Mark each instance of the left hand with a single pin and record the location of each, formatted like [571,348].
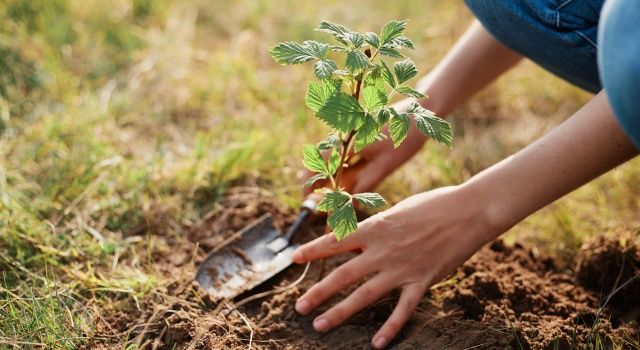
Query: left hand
[414,244]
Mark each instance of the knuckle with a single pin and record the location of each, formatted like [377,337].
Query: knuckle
[368,295]
[408,306]
[345,276]
[393,326]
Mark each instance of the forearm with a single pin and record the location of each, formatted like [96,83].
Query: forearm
[476,60]
[583,147]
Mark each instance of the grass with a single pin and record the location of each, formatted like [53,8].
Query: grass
[122,120]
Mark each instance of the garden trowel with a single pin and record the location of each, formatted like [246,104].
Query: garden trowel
[251,256]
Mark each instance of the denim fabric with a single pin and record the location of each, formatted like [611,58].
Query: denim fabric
[562,37]
[619,61]
[559,35]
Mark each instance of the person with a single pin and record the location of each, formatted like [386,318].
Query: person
[591,43]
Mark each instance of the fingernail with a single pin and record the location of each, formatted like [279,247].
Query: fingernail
[320,325]
[380,342]
[302,307]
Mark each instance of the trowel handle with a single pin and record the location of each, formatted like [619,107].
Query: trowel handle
[308,207]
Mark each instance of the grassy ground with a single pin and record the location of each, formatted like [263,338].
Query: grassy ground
[115,113]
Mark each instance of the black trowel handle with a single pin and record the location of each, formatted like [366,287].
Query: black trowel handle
[308,207]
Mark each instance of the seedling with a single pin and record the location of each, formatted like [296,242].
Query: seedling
[354,102]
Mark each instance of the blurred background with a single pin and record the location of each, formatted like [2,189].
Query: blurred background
[113,113]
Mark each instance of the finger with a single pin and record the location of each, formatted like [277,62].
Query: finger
[362,297]
[339,279]
[325,246]
[409,299]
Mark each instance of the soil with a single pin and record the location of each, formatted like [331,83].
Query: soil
[503,297]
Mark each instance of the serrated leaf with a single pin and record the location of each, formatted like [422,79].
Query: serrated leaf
[374,98]
[431,125]
[338,31]
[356,39]
[372,39]
[290,53]
[383,116]
[334,161]
[339,110]
[315,178]
[356,61]
[392,30]
[333,200]
[398,127]
[323,69]
[367,134]
[386,74]
[404,70]
[409,92]
[318,93]
[374,78]
[343,221]
[316,49]
[313,160]
[370,199]
[400,42]
[391,52]
[332,141]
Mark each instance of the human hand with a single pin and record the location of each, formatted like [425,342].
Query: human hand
[411,246]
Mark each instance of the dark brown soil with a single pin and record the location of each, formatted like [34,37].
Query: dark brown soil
[503,297]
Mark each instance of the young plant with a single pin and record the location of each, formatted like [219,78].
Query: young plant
[354,102]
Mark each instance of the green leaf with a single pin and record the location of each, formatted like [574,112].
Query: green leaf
[356,61]
[316,49]
[356,39]
[409,92]
[339,110]
[404,70]
[374,98]
[387,51]
[398,127]
[332,141]
[431,125]
[318,93]
[400,42]
[372,39]
[367,134]
[392,30]
[383,116]
[338,31]
[370,199]
[290,53]
[387,75]
[332,200]
[314,179]
[334,161]
[343,221]
[323,69]
[313,160]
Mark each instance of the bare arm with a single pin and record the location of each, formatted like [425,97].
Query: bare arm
[475,61]
[424,238]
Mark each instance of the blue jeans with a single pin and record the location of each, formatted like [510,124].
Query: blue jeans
[590,43]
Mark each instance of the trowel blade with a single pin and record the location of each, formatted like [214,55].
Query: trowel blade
[245,261]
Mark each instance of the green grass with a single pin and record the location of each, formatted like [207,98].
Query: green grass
[115,113]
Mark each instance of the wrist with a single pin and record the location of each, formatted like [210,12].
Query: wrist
[488,211]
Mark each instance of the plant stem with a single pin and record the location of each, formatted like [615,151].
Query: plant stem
[347,143]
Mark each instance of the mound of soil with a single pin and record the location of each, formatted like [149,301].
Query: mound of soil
[502,297]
